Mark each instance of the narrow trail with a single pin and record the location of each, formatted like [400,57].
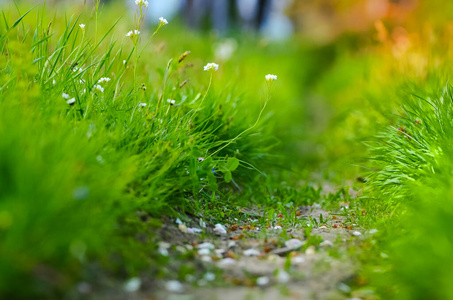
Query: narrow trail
[251,263]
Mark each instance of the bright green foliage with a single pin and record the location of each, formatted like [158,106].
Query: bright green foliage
[80,154]
[415,158]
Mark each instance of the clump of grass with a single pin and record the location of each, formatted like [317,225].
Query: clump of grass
[88,140]
[414,158]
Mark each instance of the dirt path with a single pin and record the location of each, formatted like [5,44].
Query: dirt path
[248,262]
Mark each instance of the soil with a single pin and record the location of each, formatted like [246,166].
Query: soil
[320,271]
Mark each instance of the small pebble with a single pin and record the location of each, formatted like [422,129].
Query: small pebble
[174,286]
[206,258]
[294,244]
[310,250]
[298,260]
[326,243]
[283,277]
[206,246]
[278,227]
[219,252]
[220,229]
[183,228]
[262,281]
[83,287]
[226,261]
[209,276]
[356,233]
[251,252]
[204,251]
[133,285]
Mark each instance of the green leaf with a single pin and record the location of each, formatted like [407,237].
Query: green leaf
[228,177]
[232,163]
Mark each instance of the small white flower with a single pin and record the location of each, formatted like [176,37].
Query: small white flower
[99,88]
[54,82]
[64,95]
[172,102]
[82,26]
[124,62]
[133,33]
[163,21]
[141,3]
[71,101]
[143,105]
[104,79]
[270,77]
[211,67]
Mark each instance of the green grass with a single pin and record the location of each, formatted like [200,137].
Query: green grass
[82,184]
[414,158]
[72,176]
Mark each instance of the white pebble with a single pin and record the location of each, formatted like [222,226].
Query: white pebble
[174,286]
[298,260]
[326,243]
[203,251]
[294,244]
[251,252]
[206,246]
[226,261]
[262,281]
[132,285]
[356,233]
[283,277]
[209,276]
[220,229]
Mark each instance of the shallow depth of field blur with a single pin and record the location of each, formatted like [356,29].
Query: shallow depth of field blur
[363,102]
